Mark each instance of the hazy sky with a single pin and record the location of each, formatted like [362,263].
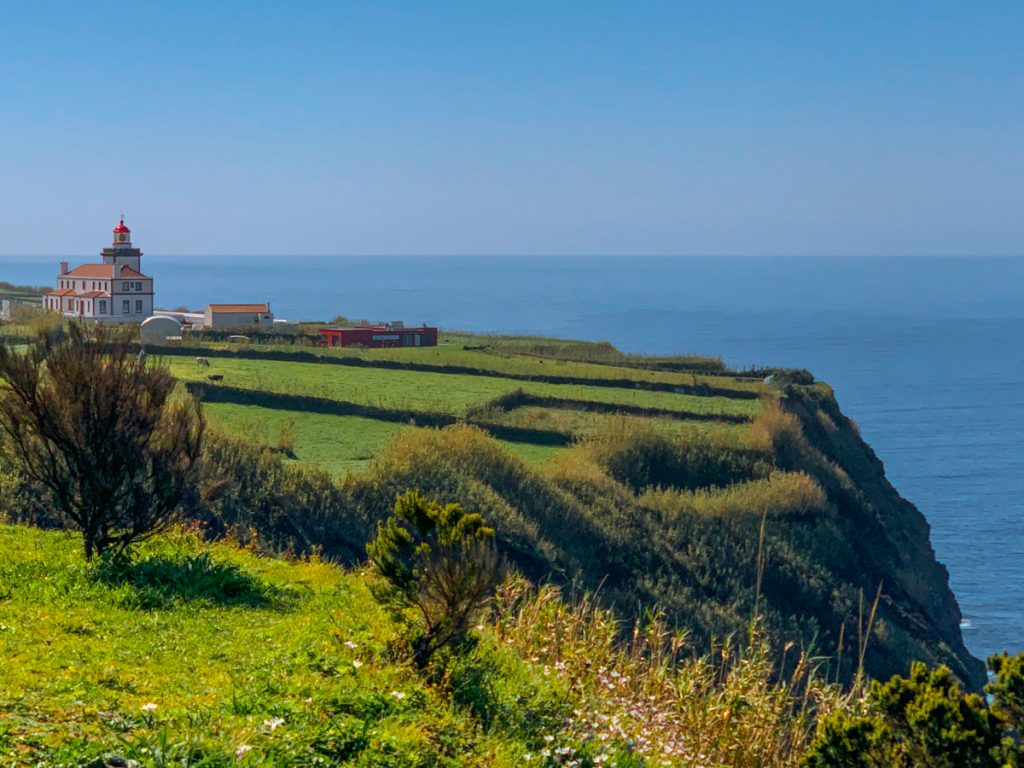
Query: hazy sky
[514,127]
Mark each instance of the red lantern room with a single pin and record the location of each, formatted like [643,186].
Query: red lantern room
[122,235]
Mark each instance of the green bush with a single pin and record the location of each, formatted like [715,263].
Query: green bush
[642,458]
[438,562]
[923,721]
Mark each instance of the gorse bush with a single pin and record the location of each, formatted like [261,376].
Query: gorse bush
[438,562]
[926,721]
[640,458]
[781,493]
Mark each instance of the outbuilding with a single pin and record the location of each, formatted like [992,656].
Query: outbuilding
[239,316]
[389,335]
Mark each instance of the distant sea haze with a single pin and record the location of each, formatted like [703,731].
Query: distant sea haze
[925,354]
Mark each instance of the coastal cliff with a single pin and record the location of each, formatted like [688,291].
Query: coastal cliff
[650,520]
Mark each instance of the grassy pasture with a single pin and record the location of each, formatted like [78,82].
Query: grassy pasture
[506,361]
[206,655]
[582,423]
[427,391]
[332,443]
[335,444]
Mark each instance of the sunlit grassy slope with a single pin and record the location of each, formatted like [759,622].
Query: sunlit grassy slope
[212,653]
[207,655]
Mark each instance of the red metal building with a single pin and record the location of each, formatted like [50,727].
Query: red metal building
[391,335]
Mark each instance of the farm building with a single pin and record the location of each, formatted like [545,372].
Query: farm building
[390,335]
[239,317]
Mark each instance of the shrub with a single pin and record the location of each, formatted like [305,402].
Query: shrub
[1007,690]
[922,721]
[99,429]
[439,562]
[640,458]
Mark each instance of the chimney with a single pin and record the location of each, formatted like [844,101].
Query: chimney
[63,267]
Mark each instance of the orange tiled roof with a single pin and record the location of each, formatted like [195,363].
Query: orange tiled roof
[95,295]
[262,308]
[103,271]
[62,292]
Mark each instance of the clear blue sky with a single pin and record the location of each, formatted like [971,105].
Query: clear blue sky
[514,127]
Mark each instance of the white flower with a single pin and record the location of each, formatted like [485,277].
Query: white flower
[352,646]
[273,723]
[357,663]
[398,695]
[242,749]
[148,707]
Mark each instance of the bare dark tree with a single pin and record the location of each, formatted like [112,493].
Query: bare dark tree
[84,416]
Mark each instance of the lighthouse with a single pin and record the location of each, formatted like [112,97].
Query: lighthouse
[121,251]
[114,291]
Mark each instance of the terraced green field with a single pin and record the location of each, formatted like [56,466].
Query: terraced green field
[431,392]
[338,415]
[336,444]
[583,423]
[453,352]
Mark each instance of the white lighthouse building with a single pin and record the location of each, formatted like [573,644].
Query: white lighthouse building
[114,291]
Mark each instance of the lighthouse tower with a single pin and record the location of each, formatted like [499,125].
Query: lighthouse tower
[115,291]
[122,252]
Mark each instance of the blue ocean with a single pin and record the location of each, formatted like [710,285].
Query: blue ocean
[926,355]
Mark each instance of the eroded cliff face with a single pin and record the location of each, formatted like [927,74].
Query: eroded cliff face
[918,615]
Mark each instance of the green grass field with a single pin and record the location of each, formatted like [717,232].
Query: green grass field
[583,423]
[339,443]
[504,360]
[427,391]
[336,444]
[208,655]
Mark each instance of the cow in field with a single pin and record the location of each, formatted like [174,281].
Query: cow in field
[203,362]
[215,377]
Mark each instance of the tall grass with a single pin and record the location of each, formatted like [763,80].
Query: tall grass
[723,707]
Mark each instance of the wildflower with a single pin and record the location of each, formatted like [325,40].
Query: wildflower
[398,695]
[148,707]
[350,645]
[357,663]
[241,750]
[273,723]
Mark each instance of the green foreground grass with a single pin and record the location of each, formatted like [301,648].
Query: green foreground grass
[209,656]
[203,655]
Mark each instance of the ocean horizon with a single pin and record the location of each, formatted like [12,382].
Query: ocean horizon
[924,354]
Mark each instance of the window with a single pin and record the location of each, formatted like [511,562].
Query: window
[138,286]
[103,307]
[125,285]
[138,306]
[71,305]
[125,307]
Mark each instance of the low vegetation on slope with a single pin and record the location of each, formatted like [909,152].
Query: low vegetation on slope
[208,655]
[739,524]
